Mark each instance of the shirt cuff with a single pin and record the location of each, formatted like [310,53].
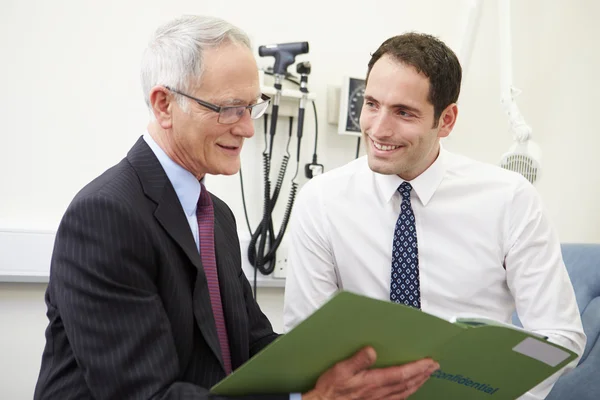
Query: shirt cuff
[295,396]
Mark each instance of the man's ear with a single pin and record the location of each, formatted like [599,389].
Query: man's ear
[161,102]
[447,120]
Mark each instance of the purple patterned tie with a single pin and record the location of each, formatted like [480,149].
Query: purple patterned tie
[206,226]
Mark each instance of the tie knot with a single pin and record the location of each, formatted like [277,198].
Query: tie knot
[404,190]
[204,199]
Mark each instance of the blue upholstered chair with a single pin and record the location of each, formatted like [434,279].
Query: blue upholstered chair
[583,264]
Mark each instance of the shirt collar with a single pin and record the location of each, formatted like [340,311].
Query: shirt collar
[186,186]
[423,185]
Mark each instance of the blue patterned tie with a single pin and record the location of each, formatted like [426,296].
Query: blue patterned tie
[405,256]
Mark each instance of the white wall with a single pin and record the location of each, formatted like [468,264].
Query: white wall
[71,106]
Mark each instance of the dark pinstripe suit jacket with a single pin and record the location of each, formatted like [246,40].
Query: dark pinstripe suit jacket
[128,304]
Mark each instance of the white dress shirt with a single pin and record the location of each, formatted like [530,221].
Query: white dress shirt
[485,247]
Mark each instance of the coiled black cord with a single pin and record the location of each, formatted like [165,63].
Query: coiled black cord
[265,263]
[264,234]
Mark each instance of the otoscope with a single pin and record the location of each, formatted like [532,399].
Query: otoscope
[284,54]
[304,70]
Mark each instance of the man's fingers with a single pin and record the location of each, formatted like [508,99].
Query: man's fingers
[416,386]
[410,387]
[414,369]
[362,360]
[399,375]
[401,388]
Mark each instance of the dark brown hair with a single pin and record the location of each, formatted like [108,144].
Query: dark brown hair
[431,57]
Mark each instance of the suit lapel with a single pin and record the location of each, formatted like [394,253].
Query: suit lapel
[171,217]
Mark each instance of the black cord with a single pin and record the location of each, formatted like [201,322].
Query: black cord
[265,123]
[266,116]
[244,202]
[265,230]
[316,132]
[290,127]
[249,228]
[254,283]
[357,147]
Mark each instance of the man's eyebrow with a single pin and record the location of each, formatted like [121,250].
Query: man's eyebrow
[399,105]
[370,98]
[406,107]
[233,102]
[240,102]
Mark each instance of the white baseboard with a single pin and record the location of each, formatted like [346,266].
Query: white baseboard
[25,255]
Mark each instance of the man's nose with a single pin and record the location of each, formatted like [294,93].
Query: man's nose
[244,127]
[381,125]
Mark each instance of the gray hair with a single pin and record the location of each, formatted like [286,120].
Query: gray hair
[174,54]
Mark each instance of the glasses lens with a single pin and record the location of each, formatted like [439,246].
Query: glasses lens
[231,115]
[259,109]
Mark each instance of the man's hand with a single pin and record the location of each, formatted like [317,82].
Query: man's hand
[351,379]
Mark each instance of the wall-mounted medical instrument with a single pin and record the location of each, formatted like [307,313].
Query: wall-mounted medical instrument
[351,100]
[264,240]
[352,96]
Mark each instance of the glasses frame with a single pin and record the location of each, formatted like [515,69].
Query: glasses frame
[220,109]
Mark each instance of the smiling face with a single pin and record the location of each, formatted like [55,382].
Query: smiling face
[400,132]
[194,138]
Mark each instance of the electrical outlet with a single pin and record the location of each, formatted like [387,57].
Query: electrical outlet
[281,262]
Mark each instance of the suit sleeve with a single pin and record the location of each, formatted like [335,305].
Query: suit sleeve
[102,274]
[261,332]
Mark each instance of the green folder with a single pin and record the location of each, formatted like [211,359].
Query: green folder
[477,360]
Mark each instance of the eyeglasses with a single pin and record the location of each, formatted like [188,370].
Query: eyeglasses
[231,114]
